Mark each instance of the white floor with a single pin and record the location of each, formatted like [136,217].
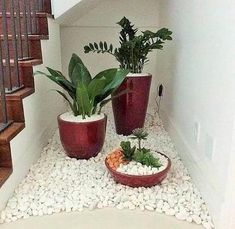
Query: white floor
[57,183]
[102,219]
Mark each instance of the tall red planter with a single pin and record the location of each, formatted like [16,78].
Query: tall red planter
[82,140]
[130,109]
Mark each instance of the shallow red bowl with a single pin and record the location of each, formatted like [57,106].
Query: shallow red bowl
[138,180]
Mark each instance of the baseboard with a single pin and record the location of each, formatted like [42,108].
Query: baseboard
[212,197]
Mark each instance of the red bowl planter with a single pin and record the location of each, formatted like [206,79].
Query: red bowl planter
[82,140]
[138,180]
[130,109]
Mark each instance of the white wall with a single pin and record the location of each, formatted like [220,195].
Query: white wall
[198,72]
[100,24]
[59,7]
[41,110]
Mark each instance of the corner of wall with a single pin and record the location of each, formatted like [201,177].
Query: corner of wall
[208,192]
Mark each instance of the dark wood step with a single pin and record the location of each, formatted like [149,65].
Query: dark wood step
[4,174]
[34,49]
[25,73]
[30,37]
[10,132]
[44,6]
[40,21]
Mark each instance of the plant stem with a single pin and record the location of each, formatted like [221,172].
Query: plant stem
[139,141]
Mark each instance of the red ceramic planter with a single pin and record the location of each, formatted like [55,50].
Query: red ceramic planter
[82,140]
[139,181]
[130,109]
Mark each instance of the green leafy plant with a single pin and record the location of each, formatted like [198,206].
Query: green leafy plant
[141,155]
[145,157]
[128,151]
[134,49]
[86,94]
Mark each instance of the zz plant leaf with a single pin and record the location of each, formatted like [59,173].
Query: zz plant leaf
[134,48]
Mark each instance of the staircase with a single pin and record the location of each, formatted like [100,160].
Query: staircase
[23,24]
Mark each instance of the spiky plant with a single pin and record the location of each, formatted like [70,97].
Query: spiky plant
[139,134]
[128,151]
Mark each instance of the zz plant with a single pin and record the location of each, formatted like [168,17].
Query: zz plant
[140,154]
[86,95]
[134,49]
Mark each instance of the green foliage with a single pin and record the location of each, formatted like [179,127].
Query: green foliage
[145,157]
[128,151]
[134,49]
[141,155]
[139,134]
[85,93]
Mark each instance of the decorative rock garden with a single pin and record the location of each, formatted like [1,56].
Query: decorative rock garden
[58,183]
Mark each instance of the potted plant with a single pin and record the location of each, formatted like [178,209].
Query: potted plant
[82,131]
[137,166]
[130,109]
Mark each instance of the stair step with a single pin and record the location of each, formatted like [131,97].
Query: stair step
[30,37]
[4,174]
[20,94]
[10,132]
[34,47]
[40,21]
[45,5]
[25,63]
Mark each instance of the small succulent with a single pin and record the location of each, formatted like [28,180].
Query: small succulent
[141,155]
[139,134]
[128,151]
[145,157]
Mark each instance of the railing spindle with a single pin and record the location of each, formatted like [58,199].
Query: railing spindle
[6,47]
[19,32]
[16,79]
[4,119]
[25,33]
[34,17]
[28,15]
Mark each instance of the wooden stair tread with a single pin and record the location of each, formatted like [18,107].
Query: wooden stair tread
[31,62]
[14,101]
[4,174]
[20,94]
[10,132]
[25,63]
[38,15]
[30,37]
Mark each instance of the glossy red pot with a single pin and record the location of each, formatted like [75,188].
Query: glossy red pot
[130,109]
[82,140]
[137,180]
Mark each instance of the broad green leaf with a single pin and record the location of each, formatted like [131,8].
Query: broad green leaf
[114,77]
[83,100]
[69,102]
[62,82]
[104,102]
[96,87]
[80,75]
[75,59]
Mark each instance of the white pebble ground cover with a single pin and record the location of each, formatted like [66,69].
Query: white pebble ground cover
[58,183]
